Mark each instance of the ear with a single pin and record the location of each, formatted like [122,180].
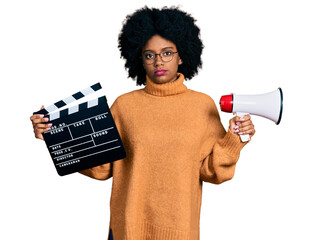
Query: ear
[180,62]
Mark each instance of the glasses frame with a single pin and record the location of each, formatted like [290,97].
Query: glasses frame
[156,56]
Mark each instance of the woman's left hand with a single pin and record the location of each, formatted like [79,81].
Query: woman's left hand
[242,125]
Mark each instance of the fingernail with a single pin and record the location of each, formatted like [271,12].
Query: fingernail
[46,119]
[236,127]
[41,115]
[242,119]
[237,123]
[240,133]
[50,124]
[236,131]
[47,128]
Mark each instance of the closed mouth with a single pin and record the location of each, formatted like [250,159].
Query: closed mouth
[160,72]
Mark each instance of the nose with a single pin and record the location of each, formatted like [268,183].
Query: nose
[158,59]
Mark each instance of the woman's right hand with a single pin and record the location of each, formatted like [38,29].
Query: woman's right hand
[40,124]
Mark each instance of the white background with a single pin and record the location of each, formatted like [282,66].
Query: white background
[50,49]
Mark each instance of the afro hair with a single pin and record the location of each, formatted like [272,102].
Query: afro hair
[170,23]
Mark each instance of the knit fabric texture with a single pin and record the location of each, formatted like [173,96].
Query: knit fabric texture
[174,140]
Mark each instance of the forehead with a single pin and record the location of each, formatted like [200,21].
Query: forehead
[158,43]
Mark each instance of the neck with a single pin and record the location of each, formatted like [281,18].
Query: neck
[166,89]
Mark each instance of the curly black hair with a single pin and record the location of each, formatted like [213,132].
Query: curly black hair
[170,23]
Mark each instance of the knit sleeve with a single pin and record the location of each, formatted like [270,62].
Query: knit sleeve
[105,171]
[219,165]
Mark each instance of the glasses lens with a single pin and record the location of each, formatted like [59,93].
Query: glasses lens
[148,58]
[167,56]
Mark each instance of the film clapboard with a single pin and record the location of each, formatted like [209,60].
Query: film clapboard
[82,136]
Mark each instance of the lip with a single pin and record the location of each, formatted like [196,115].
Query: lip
[160,72]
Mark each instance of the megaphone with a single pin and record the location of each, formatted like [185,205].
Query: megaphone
[268,105]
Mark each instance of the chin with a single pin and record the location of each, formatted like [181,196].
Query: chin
[162,79]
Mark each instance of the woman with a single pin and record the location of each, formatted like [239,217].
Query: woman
[173,136]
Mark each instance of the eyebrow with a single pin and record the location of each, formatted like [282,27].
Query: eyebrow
[161,50]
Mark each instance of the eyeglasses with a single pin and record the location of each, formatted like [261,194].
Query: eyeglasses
[150,58]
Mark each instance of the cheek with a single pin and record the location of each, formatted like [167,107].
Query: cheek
[148,68]
[176,64]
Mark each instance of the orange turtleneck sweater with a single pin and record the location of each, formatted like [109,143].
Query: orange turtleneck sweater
[174,141]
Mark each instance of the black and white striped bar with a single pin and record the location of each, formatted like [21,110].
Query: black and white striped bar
[69,99]
[77,108]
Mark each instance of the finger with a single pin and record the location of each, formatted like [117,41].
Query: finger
[245,124]
[247,130]
[244,130]
[238,119]
[44,126]
[243,119]
[39,121]
[36,116]
[232,124]
[38,132]
[251,132]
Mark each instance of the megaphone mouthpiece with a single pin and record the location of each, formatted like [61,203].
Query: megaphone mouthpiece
[226,103]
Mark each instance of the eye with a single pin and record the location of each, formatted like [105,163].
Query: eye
[149,56]
[167,53]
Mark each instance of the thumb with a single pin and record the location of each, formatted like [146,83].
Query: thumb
[232,124]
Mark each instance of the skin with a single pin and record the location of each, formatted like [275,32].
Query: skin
[156,45]
[40,124]
[242,126]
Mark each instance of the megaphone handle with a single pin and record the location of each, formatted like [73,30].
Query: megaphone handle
[246,137]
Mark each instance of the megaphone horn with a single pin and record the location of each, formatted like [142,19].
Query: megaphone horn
[268,105]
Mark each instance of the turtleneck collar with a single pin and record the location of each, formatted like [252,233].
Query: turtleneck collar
[166,89]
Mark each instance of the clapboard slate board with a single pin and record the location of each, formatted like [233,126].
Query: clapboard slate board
[82,136]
